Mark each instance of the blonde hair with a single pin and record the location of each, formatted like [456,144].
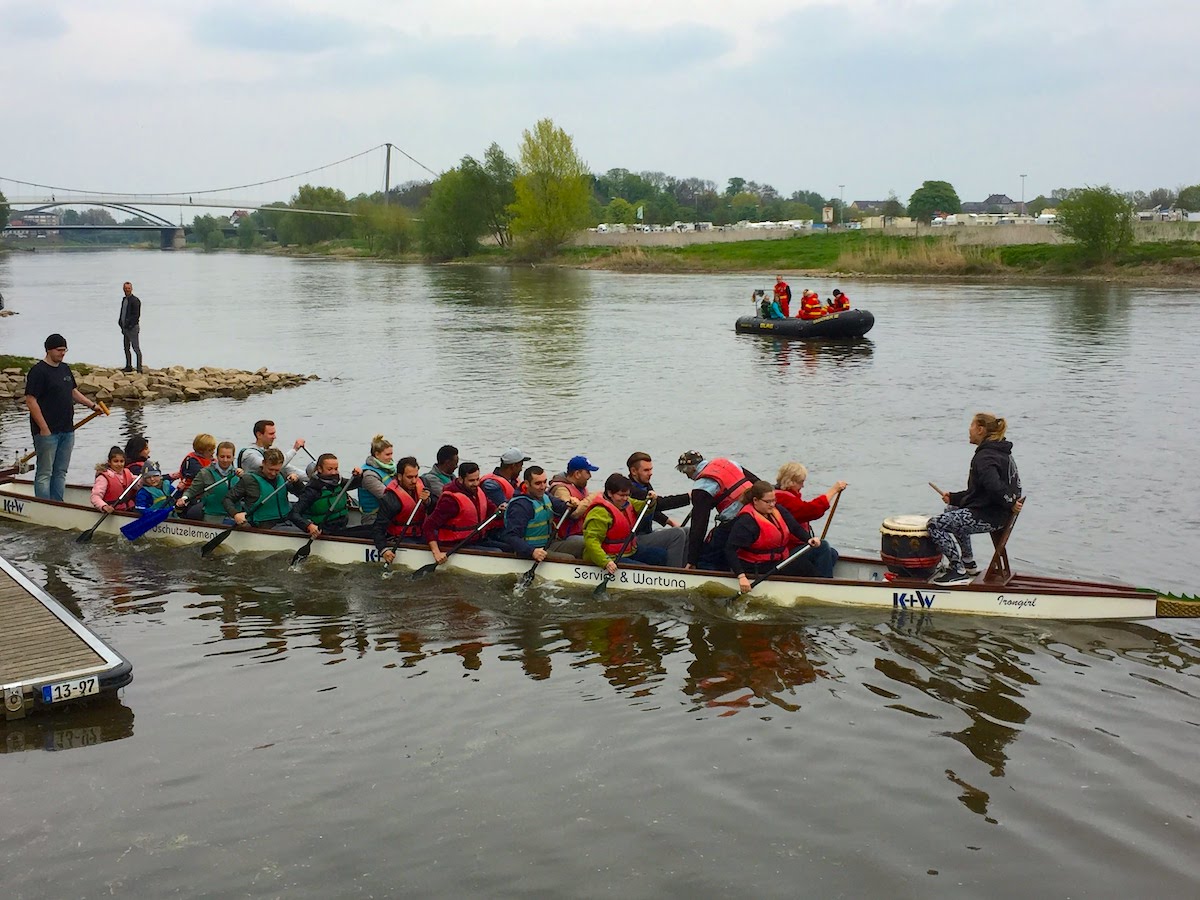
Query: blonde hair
[378,444]
[791,472]
[204,444]
[993,428]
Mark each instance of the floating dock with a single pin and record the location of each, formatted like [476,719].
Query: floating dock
[49,658]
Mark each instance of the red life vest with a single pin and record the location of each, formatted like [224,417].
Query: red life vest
[621,527]
[505,484]
[731,479]
[839,304]
[400,527]
[783,295]
[810,307]
[791,500]
[470,513]
[570,526]
[771,544]
[115,485]
[204,462]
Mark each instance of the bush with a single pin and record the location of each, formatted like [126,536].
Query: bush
[1099,220]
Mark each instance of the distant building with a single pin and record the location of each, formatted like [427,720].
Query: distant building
[868,206]
[1001,202]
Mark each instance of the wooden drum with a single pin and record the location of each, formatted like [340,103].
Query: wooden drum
[905,547]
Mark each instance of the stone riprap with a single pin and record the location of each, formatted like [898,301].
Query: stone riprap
[174,383]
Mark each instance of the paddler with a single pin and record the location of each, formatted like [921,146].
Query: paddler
[670,536]
[718,484]
[322,507]
[460,509]
[529,518]
[377,470]
[441,473]
[789,485]
[402,510]
[609,522]
[505,480]
[200,456]
[572,484]
[242,501]
[206,494]
[763,535]
[250,459]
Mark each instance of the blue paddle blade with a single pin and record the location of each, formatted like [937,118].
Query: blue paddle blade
[149,519]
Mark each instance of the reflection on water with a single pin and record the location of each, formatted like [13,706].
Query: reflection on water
[811,356]
[72,727]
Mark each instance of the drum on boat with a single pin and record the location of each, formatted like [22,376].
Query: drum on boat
[906,548]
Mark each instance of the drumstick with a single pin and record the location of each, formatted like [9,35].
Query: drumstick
[936,488]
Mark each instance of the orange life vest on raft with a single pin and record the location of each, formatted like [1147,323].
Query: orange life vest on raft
[400,527]
[470,513]
[620,529]
[810,307]
[115,485]
[840,303]
[505,484]
[772,542]
[731,479]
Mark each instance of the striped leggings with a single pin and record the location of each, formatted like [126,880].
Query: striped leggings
[951,533]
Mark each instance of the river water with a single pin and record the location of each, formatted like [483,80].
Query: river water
[324,732]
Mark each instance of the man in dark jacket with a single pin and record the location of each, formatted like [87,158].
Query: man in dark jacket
[129,319]
[321,507]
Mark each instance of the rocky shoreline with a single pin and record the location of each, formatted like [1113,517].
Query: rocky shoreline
[174,383]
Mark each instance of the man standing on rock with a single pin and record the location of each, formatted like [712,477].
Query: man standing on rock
[50,396]
[129,319]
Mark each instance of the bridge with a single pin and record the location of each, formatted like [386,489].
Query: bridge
[172,235]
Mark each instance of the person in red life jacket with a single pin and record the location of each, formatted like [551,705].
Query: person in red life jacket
[203,448]
[789,484]
[610,521]
[763,535]
[460,509]
[783,296]
[400,518]
[573,484]
[111,490]
[717,486]
[505,480]
[810,306]
[839,303]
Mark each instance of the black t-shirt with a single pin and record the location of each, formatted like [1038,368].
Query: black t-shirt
[51,387]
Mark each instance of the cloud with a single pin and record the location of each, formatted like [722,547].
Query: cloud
[273,28]
[31,22]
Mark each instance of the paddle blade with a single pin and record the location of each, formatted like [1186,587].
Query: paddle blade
[527,579]
[215,542]
[602,587]
[302,553]
[149,520]
[87,535]
[424,570]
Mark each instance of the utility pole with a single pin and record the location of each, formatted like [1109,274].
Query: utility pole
[387,174]
[841,204]
[1022,195]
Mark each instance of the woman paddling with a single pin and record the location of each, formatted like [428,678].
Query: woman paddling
[763,535]
[992,496]
[377,471]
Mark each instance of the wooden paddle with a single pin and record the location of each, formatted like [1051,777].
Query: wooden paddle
[101,410]
[425,570]
[799,553]
[936,488]
[87,535]
[220,538]
[527,578]
[602,587]
[303,553]
[829,521]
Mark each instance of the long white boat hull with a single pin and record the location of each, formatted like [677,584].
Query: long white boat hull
[857,581]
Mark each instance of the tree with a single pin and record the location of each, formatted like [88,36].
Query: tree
[1037,204]
[387,229]
[4,210]
[306,228]
[453,219]
[1099,220]
[892,207]
[1189,198]
[931,198]
[495,178]
[1162,197]
[620,211]
[735,187]
[247,235]
[552,190]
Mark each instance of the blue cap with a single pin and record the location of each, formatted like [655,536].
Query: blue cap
[575,463]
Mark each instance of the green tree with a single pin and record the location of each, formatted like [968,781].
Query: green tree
[4,210]
[305,228]
[453,219]
[203,226]
[1099,220]
[1037,204]
[892,207]
[552,190]
[386,229]
[1161,197]
[931,198]
[1189,198]
[247,236]
[494,180]
[620,211]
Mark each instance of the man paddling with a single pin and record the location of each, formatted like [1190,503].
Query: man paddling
[441,473]
[460,509]
[322,506]
[505,480]
[529,520]
[250,459]
[242,503]
[402,510]
[718,484]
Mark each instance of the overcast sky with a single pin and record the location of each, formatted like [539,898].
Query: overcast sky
[878,95]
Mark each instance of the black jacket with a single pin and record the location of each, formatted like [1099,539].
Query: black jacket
[133,313]
[993,485]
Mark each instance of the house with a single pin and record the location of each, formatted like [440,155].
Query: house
[864,206]
[1001,202]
